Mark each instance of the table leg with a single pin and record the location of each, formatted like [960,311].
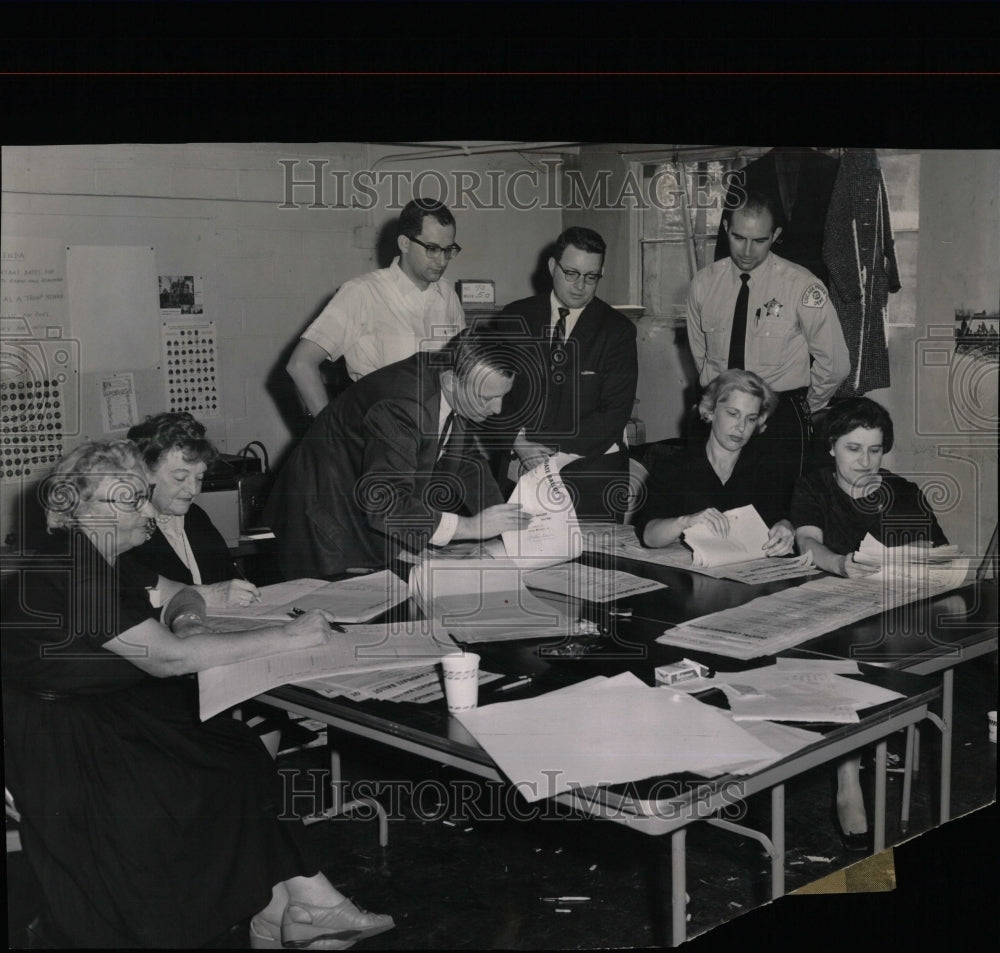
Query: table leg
[678,877]
[909,769]
[778,840]
[947,701]
[880,761]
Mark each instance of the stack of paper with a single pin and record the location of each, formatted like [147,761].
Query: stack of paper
[622,541]
[484,600]
[591,583]
[597,735]
[361,648]
[417,686]
[356,599]
[800,691]
[745,540]
[770,624]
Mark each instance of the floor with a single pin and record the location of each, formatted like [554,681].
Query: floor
[459,873]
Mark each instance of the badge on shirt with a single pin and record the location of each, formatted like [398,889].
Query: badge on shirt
[772,310]
[814,296]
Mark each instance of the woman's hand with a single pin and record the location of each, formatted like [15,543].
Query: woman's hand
[716,520]
[780,539]
[311,628]
[229,594]
[852,569]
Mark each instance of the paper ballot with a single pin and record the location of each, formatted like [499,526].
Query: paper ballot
[484,600]
[746,539]
[356,599]
[553,535]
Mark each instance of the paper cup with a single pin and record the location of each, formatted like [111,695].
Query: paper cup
[992,716]
[461,680]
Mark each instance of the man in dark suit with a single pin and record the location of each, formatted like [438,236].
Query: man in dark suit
[392,464]
[576,397]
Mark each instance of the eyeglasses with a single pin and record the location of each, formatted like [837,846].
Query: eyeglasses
[573,276]
[435,251]
[128,502]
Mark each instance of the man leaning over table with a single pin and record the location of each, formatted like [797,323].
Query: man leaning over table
[393,463]
[385,316]
[755,310]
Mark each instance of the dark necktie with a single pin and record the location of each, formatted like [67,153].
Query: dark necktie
[449,423]
[737,343]
[557,339]
[559,331]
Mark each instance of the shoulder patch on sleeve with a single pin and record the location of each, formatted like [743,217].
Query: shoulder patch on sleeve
[815,295]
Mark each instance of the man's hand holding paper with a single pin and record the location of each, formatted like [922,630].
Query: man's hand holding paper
[553,535]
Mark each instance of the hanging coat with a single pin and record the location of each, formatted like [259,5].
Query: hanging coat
[860,254]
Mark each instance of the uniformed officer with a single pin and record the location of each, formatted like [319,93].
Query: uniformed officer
[757,311]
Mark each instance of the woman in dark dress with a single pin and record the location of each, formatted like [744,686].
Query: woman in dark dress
[832,510]
[145,826]
[186,546]
[698,485]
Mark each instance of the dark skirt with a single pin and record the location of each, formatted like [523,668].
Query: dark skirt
[145,826]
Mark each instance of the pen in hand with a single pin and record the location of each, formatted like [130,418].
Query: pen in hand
[296,612]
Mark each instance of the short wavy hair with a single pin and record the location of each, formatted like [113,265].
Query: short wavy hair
[411,219]
[848,415]
[161,433]
[75,478]
[479,344]
[586,239]
[735,379]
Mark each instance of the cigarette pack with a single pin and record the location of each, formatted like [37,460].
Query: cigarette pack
[680,672]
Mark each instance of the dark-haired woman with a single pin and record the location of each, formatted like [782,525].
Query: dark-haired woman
[186,546]
[833,509]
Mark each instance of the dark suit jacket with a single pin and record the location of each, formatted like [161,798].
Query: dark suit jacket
[214,560]
[365,480]
[583,406]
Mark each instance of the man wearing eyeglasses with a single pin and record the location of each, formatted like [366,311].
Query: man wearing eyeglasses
[580,396]
[386,315]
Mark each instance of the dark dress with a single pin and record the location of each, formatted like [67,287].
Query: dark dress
[686,483]
[145,826]
[214,561]
[896,514]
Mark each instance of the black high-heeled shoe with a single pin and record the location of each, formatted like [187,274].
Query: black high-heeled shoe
[854,843]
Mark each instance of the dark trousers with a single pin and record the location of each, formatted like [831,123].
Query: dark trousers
[789,440]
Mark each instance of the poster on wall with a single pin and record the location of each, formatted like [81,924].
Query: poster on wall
[977,334]
[118,403]
[190,367]
[180,294]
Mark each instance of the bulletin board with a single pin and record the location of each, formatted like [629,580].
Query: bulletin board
[113,306]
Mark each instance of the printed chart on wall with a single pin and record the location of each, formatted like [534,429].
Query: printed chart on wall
[39,361]
[190,366]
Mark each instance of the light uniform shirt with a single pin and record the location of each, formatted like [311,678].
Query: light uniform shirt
[383,317]
[789,320]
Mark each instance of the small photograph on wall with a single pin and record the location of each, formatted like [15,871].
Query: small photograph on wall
[978,334]
[180,294]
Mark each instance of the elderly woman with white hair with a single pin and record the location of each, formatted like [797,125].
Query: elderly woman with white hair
[699,484]
[145,826]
